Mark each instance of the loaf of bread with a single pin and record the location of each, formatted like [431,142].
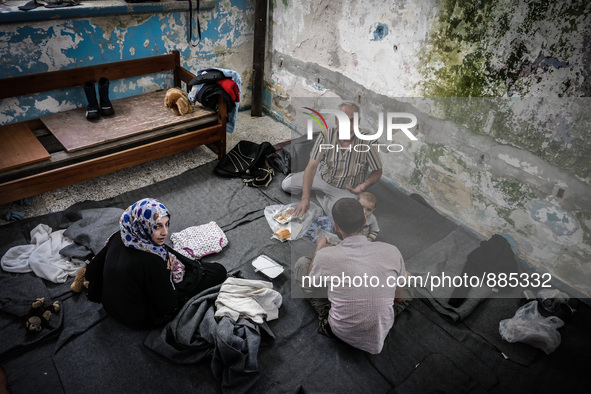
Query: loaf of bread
[283,234]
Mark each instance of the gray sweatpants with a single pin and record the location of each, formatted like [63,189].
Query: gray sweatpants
[326,194]
[318,297]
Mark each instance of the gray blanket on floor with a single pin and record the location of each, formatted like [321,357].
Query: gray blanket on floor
[95,353]
[89,229]
[195,335]
[446,258]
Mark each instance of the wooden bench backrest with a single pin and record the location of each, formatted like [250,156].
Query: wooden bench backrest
[63,79]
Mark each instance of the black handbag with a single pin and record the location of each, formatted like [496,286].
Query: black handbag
[280,160]
[247,160]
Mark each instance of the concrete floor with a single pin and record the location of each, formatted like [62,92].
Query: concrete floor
[256,129]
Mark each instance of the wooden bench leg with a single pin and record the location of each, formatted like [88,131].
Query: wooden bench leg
[219,148]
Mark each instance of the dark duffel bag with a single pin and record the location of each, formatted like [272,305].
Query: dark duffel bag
[247,160]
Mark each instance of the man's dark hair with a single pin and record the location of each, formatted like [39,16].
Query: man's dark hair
[348,215]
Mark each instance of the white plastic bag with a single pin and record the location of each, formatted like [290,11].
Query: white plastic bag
[297,227]
[529,327]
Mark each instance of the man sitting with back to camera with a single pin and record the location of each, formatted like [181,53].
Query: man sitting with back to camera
[352,286]
[335,173]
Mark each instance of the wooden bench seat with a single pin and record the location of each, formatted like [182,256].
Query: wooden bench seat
[60,149]
[133,115]
[20,147]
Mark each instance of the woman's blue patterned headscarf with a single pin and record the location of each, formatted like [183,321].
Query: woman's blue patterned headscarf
[138,223]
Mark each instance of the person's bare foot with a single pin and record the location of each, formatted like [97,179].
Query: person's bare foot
[78,285]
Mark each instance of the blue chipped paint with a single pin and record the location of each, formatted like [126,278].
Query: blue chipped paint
[93,9]
[267,99]
[68,43]
[67,99]
[545,63]
[380,32]
[121,43]
[512,242]
[561,222]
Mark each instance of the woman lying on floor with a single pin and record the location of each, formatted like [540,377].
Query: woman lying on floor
[140,281]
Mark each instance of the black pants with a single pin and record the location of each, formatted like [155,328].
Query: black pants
[213,275]
[198,277]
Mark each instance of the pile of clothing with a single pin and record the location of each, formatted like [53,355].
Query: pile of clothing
[210,84]
[42,256]
[223,323]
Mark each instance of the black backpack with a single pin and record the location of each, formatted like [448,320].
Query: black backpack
[247,160]
[280,160]
[493,256]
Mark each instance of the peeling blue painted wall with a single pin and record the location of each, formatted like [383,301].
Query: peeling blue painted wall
[35,47]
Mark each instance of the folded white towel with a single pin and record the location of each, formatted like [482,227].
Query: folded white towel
[253,299]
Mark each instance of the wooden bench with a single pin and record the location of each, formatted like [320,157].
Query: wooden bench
[61,149]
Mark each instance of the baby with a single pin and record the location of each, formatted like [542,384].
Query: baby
[368,202]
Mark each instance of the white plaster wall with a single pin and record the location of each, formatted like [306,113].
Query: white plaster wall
[471,167]
[339,35]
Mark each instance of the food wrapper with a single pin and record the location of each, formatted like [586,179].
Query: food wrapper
[280,217]
[267,266]
[283,217]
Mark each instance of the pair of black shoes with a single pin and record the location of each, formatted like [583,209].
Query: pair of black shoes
[95,107]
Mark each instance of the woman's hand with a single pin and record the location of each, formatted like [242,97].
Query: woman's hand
[170,262]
